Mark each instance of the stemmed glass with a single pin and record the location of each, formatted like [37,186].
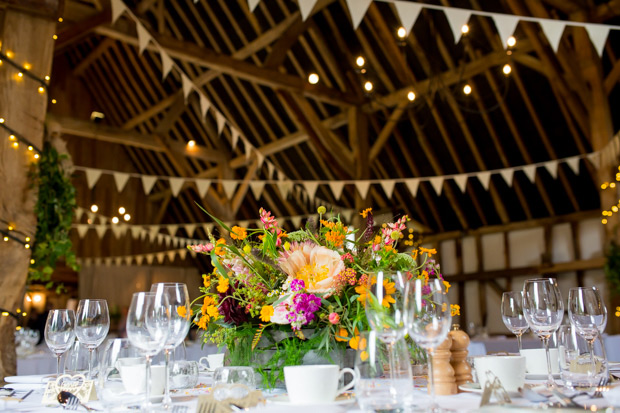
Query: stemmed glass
[428,320]
[512,314]
[91,326]
[148,327]
[385,304]
[59,333]
[543,309]
[178,300]
[588,315]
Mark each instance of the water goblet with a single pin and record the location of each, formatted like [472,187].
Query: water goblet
[59,333]
[180,314]
[148,327]
[385,304]
[588,315]
[512,314]
[91,326]
[543,309]
[428,321]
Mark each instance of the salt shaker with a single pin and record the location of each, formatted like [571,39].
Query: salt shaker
[443,373]
[458,360]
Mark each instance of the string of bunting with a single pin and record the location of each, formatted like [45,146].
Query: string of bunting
[506,24]
[337,186]
[188,87]
[149,258]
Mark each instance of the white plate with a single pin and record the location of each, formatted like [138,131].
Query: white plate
[471,387]
[530,376]
[341,400]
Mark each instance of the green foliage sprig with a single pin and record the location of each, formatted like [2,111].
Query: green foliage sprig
[54,210]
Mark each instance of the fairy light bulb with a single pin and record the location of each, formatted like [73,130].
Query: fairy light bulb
[368,86]
[604,221]
[60,20]
[511,41]
[1,120]
[191,144]
[467,89]
[465,29]
[507,69]
[41,89]
[15,145]
[47,78]
[27,66]
[411,96]
[5,238]
[121,210]
[401,33]
[10,54]
[94,208]
[115,220]
[10,227]
[55,37]
[126,217]
[32,261]
[360,61]
[36,156]
[27,239]
[53,101]
[27,246]
[612,185]
[30,148]
[12,137]
[313,78]
[20,74]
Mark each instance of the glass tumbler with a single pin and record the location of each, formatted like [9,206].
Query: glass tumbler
[576,361]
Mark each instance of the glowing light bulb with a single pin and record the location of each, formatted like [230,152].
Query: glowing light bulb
[36,156]
[126,217]
[467,89]
[47,78]
[5,238]
[401,33]
[612,185]
[313,78]
[24,314]
[10,227]
[191,143]
[368,86]
[27,66]
[360,62]
[27,246]
[614,208]
[465,29]
[94,208]
[604,186]
[27,239]
[121,210]
[53,101]
[18,328]
[10,54]
[37,298]
[604,220]
[1,120]
[15,145]
[41,89]
[411,96]
[12,137]
[511,42]
[115,220]
[55,37]
[507,69]
[32,261]
[20,74]
[60,20]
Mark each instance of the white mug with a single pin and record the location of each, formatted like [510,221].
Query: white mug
[316,383]
[133,376]
[510,370]
[212,361]
[536,360]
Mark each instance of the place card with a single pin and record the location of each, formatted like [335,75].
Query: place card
[78,385]
[493,387]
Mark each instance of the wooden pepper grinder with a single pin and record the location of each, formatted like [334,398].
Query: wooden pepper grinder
[443,373]
[460,342]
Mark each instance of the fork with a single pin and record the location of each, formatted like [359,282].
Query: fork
[72,404]
[179,409]
[208,406]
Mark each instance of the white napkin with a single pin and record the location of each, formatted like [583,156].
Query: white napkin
[33,379]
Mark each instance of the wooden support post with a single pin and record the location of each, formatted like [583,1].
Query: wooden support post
[29,38]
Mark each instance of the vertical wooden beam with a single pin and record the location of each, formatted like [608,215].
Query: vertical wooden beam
[29,38]
[358,140]
[461,284]
[482,287]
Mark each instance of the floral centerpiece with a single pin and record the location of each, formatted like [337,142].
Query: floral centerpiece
[294,293]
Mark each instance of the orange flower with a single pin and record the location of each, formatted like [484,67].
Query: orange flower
[389,288]
[222,284]
[447,285]
[362,290]
[342,335]
[219,247]
[182,312]
[428,251]
[455,309]
[357,342]
[265,313]
[364,355]
[206,280]
[238,233]
[335,238]
[202,323]
[365,212]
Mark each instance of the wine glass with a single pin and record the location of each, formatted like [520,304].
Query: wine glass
[428,321]
[91,326]
[588,315]
[178,300]
[385,304]
[543,309]
[148,327]
[59,333]
[512,314]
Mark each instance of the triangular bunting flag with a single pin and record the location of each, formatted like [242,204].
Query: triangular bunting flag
[357,9]
[412,185]
[247,147]
[118,8]
[296,220]
[139,259]
[484,178]
[311,187]
[508,175]
[270,169]
[171,255]
[408,13]
[147,183]
[107,261]
[190,229]
[175,185]
[81,230]
[135,231]
[234,137]
[252,4]
[124,228]
[116,230]
[530,172]
[573,163]
[553,30]
[461,181]
[97,261]
[187,85]
[362,188]
[595,158]
[336,187]
[229,186]
[183,253]
[166,63]
[220,120]
[437,183]
[120,179]
[91,217]
[149,258]
[175,242]
[101,230]
[260,158]
[456,19]
[79,211]
[153,231]
[257,188]
[208,227]
[160,238]
[161,256]
[92,176]
[598,36]
[552,168]
[202,185]
[204,104]
[144,37]
[285,187]
[305,7]
[388,187]
[118,261]
[505,24]
[347,214]
[172,229]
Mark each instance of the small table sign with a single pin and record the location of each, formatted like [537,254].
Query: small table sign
[78,385]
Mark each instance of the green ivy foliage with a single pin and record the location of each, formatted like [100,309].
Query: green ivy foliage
[612,267]
[54,210]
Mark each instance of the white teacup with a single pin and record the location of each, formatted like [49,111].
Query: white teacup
[536,360]
[133,376]
[316,383]
[212,361]
[510,370]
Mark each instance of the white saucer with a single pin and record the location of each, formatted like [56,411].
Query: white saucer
[341,400]
[471,387]
[530,376]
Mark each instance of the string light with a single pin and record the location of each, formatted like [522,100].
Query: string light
[411,96]
[47,78]
[368,86]
[191,144]
[401,33]
[465,29]
[507,69]
[467,89]
[60,20]
[41,89]
[1,120]
[20,74]
[121,210]
[53,101]
[313,78]
[115,220]
[94,208]
[511,41]
[360,62]
[55,37]
[126,217]
[604,221]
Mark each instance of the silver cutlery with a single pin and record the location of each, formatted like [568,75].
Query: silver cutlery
[71,402]
[179,409]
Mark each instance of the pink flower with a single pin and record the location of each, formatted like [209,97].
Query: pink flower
[208,247]
[268,220]
[280,312]
[314,264]
[334,318]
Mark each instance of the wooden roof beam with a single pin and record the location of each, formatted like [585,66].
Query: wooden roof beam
[191,53]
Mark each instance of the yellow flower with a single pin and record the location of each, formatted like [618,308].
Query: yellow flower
[265,313]
[425,275]
[357,342]
[428,251]
[342,335]
[364,355]
[238,233]
[287,245]
[219,247]
[447,285]
[321,210]
[213,311]
[362,290]
[206,281]
[182,312]
[202,323]
[208,302]
[247,249]
[455,309]
[389,288]
[222,284]
[365,212]
[335,238]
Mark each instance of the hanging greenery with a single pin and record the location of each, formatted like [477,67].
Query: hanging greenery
[612,267]
[54,209]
